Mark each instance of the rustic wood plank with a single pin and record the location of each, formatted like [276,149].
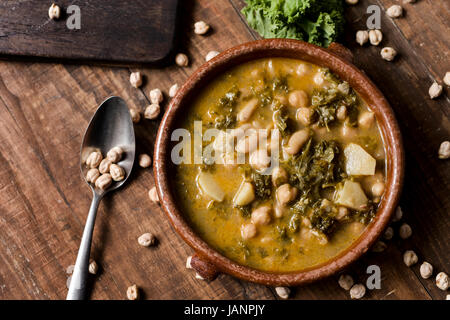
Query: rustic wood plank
[110,31]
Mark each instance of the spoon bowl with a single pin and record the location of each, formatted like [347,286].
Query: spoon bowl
[110,127]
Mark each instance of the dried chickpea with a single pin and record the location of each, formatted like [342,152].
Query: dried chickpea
[352,2]
[211,55]
[54,12]
[103,182]
[133,292]
[442,281]
[426,270]
[375,37]
[379,246]
[182,60]
[397,215]
[136,79]
[93,267]
[394,11]
[94,159]
[156,96]
[145,160]
[117,172]
[362,36]
[115,154]
[435,90]
[283,292]
[444,150]
[305,115]
[92,175]
[285,194]
[103,167]
[357,291]
[345,281]
[388,233]
[147,239]
[201,27]
[173,90]
[388,53]
[135,115]
[405,231]
[152,111]
[447,78]
[410,258]
[153,195]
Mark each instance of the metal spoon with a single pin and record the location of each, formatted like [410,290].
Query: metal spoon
[110,126]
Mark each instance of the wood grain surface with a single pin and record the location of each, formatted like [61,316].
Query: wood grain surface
[45,107]
[113,31]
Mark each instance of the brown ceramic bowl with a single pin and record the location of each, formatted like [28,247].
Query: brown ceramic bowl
[208,262]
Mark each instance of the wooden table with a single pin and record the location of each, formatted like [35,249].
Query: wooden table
[45,107]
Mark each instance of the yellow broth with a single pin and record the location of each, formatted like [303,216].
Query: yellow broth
[280,245]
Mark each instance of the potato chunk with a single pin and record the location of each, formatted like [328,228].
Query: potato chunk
[358,161]
[244,195]
[351,195]
[209,186]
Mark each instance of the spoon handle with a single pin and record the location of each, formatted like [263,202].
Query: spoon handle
[78,284]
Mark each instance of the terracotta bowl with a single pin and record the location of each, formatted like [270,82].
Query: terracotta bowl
[208,262]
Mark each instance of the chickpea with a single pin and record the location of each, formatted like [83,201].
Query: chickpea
[261,215]
[94,159]
[92,175]
[442,281]
[362,36]
[357,291]
[394,11]
[298,98]
[305,115]
[379,246]
[341,113]
[93,267]
[285,194]
[133,292]
[444,150]
[136,79]
[145,160]
[342,213]
[147,239]
[410,258]
[156,96]
[366,120]
[296,141]
[447,78]
[405,231]
[378,189]
[152,111]
[375,37]
[426,270]
[153,195]
[248,231]
[279,176]
[388,233]
[135,115]
[259,159]
[345,281]
[397,215]
[117,172]
[104,165]
[182,60]
[435,90]
[201,27]
[351,2]
[54,12]
[103,182]
[388,53]
[283,292]
[173,90]
[211,55]
[115,154]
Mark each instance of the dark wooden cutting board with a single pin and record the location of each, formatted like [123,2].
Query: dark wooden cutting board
[112,31]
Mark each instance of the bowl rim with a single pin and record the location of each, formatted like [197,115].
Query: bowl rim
[270,48]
